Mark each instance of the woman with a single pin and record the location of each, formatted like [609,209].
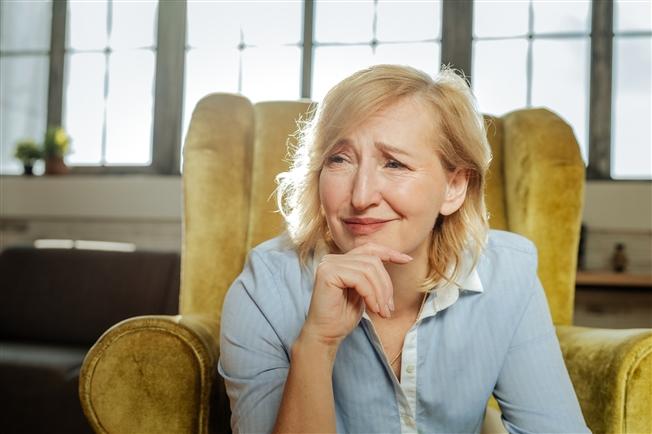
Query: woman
[389,306]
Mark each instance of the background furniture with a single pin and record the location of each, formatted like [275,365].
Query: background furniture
[613,300]
[153,374]
[54,304]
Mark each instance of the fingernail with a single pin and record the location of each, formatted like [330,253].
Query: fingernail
[389,313]
[407,257]
[391,305]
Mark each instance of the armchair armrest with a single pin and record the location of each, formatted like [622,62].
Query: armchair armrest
[151,374]
[611,371]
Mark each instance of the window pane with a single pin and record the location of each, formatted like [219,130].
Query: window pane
[500,18]
[25,25]
[344,21]
[218,24]
[332,64]
[424,56]
[84,106]
[130,107]
[133,24]
[632,139]
[207,71]
[560,77]
[213,24]
[499,75]
[280,66]
[408,20]
[87,25]
[272,23]
[632,15]
[24,94]
[556,16]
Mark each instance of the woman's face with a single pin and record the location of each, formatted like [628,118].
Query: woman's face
[384,182]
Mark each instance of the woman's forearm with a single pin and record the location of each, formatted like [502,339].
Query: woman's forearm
[308,405]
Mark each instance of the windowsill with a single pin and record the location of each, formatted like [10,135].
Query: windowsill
[130,197]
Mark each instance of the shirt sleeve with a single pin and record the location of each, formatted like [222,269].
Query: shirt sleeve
[253,361]
[534,390]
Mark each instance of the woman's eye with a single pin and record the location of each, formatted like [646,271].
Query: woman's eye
[393,164]
[335,159]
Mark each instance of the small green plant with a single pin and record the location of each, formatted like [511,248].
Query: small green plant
[56,143]
[27,151]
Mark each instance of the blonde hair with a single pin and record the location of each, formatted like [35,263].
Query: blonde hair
[460,141]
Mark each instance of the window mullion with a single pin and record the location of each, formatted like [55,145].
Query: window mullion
[457,35]
[530,55]
[308,38]
[600,90]
[168,94]
[57,49]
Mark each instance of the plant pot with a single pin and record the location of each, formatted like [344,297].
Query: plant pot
[28,170]
[55,166]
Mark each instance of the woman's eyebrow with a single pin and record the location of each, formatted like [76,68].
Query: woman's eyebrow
[393,149]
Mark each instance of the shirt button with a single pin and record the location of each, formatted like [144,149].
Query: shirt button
[410,369]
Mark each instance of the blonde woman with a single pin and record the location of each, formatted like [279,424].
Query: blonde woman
[388,305]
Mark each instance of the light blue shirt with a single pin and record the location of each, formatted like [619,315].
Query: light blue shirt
[493,334]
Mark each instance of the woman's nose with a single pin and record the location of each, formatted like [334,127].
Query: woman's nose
[366,188]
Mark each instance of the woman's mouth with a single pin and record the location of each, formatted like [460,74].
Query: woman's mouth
[364,227]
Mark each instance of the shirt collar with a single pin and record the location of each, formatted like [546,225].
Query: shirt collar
[448,293]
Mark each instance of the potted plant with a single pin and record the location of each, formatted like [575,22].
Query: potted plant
[55,147]
[27,151]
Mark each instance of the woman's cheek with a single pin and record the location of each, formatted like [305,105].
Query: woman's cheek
[331,188]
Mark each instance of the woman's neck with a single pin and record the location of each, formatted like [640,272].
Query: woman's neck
[406,279]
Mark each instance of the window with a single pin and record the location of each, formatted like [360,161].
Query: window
[109,82]
[24,72]
[533,53]
[352,35]
[632,93]
[230,48]
[126,92]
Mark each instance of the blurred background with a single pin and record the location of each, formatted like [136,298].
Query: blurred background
[121,79]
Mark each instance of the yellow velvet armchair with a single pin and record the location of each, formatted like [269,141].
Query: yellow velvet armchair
[158,373]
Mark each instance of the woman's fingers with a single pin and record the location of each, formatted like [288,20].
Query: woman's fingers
[362,270]
[351,277]
[386,254]
[378,274]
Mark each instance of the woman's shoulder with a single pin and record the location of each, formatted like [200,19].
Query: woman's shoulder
[277,254]
[504,241]
[273,268]
[508,265]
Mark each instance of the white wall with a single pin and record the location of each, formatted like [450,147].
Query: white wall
[146,210]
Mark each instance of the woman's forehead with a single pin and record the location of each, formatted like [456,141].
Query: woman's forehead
[404,127]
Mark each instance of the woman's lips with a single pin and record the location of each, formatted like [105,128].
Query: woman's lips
[365,229]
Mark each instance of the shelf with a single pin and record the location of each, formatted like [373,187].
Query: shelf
[608,278]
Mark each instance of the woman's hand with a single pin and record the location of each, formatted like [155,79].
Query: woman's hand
[343,284]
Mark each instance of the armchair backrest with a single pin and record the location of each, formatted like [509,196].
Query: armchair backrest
[234,150]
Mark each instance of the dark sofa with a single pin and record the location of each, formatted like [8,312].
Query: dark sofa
[54,305]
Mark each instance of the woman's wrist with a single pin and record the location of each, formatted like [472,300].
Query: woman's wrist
[312,343]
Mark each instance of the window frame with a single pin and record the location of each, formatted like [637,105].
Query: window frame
[170,59]
[456,50]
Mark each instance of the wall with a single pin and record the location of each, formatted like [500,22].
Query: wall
[146,210]
[619,212]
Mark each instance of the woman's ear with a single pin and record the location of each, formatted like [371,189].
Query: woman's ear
[458,180]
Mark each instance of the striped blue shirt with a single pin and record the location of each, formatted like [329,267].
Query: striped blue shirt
[491,335]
